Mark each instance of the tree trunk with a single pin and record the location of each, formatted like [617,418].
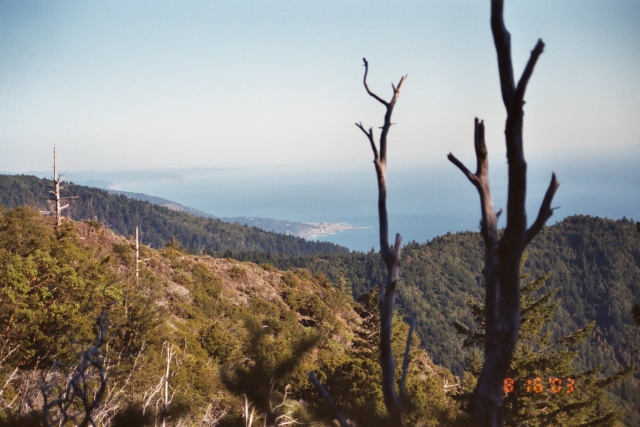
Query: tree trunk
[502,255]
[390,255]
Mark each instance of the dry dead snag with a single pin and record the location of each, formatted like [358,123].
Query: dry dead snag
[54,193]
[390,254]
[502,254]
[391,257]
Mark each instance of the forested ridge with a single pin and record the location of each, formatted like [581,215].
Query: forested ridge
[594,264]
[157,224]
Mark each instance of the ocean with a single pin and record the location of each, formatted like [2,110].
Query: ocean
[423,202]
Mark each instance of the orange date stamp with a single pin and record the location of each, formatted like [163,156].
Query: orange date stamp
[553,385]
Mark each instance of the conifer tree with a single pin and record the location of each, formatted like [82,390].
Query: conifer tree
[543,387]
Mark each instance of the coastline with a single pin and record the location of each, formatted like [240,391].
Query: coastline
[317,229]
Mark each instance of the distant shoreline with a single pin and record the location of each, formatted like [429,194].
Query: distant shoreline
[305,230]
[317,229]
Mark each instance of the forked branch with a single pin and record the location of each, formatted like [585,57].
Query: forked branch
[513,97]
[546,211]
[480,179]
[369,134]
[389,105]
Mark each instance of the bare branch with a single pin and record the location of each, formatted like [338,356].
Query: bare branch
[6,356]
[482,162]
[162,394]
[503,254]
[546,211]
[397,258]
[10,378]
[480,179]
[471,176]
[389,106]
[369,134]
[407,355]
[366,86]
[327,397]
[528,71]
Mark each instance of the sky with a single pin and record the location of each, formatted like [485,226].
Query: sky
[121,85]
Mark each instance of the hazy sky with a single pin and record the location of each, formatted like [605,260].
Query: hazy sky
[154,84]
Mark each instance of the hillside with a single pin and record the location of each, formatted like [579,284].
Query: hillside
[594,262]
[158,224]
[220,335]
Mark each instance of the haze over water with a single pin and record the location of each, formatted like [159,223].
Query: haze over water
[424,202]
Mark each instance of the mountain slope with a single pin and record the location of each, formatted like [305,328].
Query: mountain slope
[158,224]
[595,263]
[217,334]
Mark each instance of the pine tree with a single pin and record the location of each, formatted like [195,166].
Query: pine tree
[543,388]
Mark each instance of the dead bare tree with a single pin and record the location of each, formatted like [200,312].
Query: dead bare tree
[503,254]
[390,254]
[161,396]
[55,196]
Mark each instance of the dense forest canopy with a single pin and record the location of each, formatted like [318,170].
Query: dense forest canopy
[593,262]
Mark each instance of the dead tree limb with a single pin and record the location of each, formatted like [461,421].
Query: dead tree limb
[327,397]
[503,254]
[82,389]
[162,394]
[390,254]
[407,356]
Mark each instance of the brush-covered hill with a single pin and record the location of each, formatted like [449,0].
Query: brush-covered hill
[157,224]
[191,340]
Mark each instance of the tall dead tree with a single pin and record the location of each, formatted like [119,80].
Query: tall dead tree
[55,192]
[390,254]
[502,254]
